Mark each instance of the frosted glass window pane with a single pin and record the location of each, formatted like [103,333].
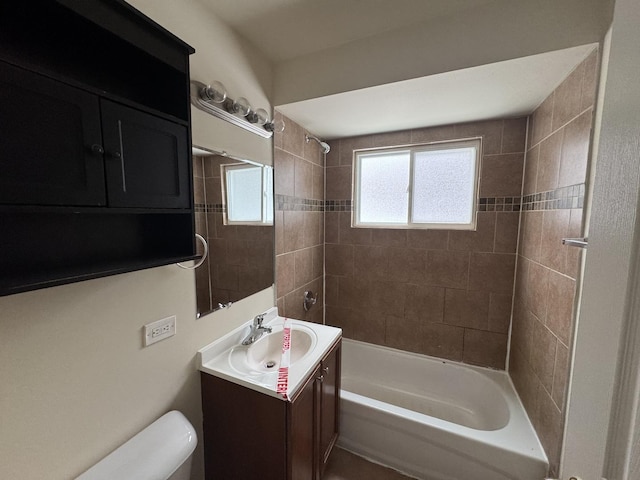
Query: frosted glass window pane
[443,186]
[384,181]
[244,194]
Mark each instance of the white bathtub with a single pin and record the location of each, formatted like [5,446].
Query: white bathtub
[434,419]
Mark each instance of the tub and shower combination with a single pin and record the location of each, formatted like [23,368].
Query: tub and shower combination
[434,419]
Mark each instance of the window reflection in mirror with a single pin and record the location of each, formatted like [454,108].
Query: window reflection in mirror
[234,212]
[248,193]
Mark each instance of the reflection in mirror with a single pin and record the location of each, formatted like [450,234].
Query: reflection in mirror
[234,212]
[248,193]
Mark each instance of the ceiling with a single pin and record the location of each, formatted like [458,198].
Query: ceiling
[286,29]
[498,90]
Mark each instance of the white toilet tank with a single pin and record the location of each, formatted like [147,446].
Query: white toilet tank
[162,451]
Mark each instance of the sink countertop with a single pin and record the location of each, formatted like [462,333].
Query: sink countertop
[214,359]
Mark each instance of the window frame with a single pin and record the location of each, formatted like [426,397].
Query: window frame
[475,142]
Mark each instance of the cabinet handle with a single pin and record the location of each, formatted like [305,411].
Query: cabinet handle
[320,378]
[120,157]
[95,148]
[325,370]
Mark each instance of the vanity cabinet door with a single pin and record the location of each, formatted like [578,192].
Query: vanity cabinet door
[146,159]
[315,419]
[51,148]
[303,431]
[329,403]
[244,432]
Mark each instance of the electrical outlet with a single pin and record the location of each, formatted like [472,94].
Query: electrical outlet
[159,330]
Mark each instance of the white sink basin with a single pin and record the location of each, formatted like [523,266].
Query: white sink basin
[264,355]
[256,366]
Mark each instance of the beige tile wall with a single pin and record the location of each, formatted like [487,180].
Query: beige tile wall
[437,292]
[557,160]
[240,261]
[449,293]
[299,219]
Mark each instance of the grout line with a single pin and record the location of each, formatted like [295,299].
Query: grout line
[561,127]
[547,267]
[495,232]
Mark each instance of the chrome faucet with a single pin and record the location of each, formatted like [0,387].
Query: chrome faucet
[257,330]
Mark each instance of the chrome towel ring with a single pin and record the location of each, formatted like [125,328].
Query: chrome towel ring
[202,258]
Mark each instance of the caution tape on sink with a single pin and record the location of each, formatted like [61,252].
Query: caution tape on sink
[283,372]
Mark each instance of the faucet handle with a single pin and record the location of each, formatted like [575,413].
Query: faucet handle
[257,321]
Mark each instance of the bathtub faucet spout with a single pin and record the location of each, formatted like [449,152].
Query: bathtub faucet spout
[257,330]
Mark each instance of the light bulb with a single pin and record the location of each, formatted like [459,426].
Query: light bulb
[261,116]
[242,106]
[276,126]
[215,92]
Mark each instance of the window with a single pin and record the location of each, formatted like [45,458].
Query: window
[425,186]
[248,192]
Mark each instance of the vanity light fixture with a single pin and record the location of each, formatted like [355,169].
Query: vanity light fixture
[214,100]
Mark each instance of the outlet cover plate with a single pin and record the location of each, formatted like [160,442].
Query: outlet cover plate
[159,330]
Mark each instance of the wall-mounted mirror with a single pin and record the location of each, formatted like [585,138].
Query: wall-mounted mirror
[234,212]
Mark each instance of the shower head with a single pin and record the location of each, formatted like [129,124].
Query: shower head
[324,145]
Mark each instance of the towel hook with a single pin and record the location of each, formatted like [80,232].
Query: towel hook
[202,258]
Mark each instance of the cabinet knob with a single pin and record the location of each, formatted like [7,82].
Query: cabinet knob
[320,378]
[325,370]
[95,148]
[115,155]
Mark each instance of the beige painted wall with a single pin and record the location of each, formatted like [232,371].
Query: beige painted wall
[75,381]
[497,31]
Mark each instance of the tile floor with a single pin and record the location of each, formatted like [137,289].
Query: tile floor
[347,466]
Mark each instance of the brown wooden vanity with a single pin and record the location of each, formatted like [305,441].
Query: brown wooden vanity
[249,435]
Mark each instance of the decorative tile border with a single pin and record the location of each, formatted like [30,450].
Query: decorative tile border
[284,202]
[561,198]
[210,208]
[338,205]
[558,199]
[287,202]
[486,204]
[499,204]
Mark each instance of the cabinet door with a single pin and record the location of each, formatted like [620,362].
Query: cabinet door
[50,142]
[303,431]
[146,159]
[244,434]
[329,404]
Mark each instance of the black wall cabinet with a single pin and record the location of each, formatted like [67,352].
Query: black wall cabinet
[146,159]
[95,162]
